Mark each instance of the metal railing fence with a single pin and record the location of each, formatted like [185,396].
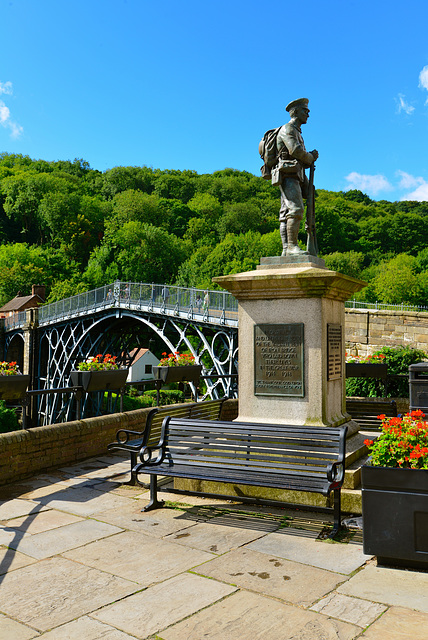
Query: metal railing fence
[382,306]
[14,321]
[205,305]
[209,305]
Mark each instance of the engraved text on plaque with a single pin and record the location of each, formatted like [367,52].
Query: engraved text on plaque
[334,351]
[278,360]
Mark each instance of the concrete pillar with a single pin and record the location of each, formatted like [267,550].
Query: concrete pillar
[291,341]
[30,330]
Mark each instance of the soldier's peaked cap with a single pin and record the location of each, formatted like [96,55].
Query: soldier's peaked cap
[301,102]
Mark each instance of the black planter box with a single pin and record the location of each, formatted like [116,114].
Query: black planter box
[190,373]
[356,370]
[395,515]
[99,380]
[13,387]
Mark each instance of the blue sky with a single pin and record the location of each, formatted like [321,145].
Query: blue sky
[195,84]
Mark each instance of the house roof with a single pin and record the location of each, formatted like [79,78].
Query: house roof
[139,354]
[18,302]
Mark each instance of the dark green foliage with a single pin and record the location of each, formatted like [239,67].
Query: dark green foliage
[398,360]
[82,228]
[133,401]
[167,396]
[8,419]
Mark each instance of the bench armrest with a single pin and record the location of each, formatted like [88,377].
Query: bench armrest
[122,436]
[146,451]
[146,454]
[336,472]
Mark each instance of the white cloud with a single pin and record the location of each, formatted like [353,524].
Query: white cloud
[402,105]
[420,194]
[408,181]
[368,184]
[4,113]
[5,120]
[6,87]
[423,78]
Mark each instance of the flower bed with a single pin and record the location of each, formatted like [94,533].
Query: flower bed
[395,493]
[403,442]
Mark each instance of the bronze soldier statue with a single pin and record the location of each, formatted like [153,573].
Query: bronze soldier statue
[289,174]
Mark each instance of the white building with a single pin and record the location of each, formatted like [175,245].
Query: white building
[141,368]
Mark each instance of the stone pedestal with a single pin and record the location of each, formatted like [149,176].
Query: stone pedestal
[291,341]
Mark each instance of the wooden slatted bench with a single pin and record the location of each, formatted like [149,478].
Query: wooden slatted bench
[365,411]
[132,441]
[277,456]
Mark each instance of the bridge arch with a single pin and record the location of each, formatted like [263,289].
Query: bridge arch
[119,331]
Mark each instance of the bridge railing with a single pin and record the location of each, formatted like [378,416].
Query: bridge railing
[156,297]
[16,320]
[381,306]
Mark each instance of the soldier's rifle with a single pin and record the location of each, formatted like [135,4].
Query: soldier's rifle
[312,245]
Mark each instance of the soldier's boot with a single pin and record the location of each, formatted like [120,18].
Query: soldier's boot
[293,248]
[283,234]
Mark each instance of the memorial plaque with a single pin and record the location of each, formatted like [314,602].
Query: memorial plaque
[334,351]
[278,360]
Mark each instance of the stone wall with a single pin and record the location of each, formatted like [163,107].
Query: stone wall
[29,452]
[367,330]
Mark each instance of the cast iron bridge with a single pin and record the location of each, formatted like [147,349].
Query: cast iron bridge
[120,319]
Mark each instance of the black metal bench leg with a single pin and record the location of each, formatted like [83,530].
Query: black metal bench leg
[337,513]
[154,503]
[133,481]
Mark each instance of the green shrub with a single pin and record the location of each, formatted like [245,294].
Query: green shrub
[8,419]
[148,399]
[167,396]
[398,360]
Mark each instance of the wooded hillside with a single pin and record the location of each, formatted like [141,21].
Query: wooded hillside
[74,228]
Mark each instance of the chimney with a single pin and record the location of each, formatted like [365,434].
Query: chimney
[39,290]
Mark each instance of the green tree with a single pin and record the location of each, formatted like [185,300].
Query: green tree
[136,252]
[350,263]
[398,281]
[22,265]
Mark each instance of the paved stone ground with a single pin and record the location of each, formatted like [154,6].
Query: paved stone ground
[80,561]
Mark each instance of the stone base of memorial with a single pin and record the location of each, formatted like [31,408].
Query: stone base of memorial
[291,360]
[291,329]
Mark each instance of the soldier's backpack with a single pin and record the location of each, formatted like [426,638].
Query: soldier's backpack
[268,152]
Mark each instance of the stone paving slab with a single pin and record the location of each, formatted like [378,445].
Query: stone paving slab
[96,469]
[399,624]
[217,537]
[15,508]
[123,489]
[42,521]
[186,499]
[158,523]
[272,576]
[12,630]
[7,536]
[86,628]
[390,586]
[333,556]
[145,613]
[83,501]
[45,488]
[137,557]
[250,616]
[11,560]
[354,610]
[54,591]
[55,541]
